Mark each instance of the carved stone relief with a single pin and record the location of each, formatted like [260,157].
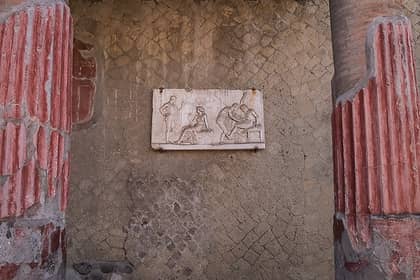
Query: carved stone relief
[207,119]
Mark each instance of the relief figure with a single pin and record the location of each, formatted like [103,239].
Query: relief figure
[226,120]
[170,113]
[248,119]
[235,122]
[199,124]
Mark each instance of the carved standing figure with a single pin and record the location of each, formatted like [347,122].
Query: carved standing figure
[169,111]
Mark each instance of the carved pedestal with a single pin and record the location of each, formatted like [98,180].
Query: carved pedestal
[35,124]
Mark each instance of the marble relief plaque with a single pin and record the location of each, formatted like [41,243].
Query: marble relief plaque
[211,119]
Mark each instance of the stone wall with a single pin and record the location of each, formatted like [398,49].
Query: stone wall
[204,215]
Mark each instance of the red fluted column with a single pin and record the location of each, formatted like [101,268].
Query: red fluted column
[35,124]
[376,138]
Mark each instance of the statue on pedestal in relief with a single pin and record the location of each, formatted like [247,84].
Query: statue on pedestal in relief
[170,113]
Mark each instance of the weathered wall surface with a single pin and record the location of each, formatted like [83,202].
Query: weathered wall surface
[205,215]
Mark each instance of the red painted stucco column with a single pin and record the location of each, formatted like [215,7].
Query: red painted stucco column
[35,125]
[376,138]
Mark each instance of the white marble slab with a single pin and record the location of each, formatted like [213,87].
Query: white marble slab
[212,119]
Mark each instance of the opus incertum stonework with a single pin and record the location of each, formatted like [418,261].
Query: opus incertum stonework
[207,119]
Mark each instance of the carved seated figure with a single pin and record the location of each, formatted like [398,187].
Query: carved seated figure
[199,124]
[237,122]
